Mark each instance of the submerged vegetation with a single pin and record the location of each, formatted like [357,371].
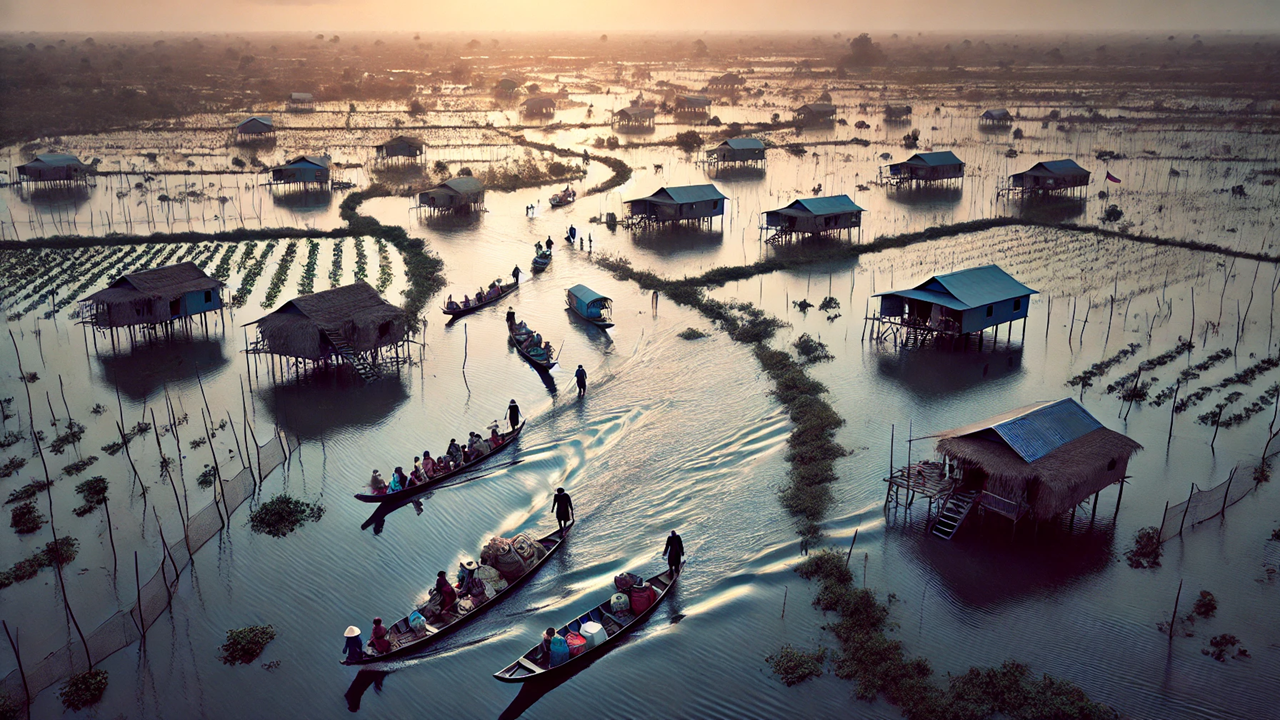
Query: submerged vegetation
[61,552]
[26,518]
[243,646]
[794,666]
[283,514]
[691,334]
[1146,549]
[83,689]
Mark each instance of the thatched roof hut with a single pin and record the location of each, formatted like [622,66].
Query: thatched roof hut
[461,193]
[812,113]
[348,319]
[400,146]
[53,167]
[154,296]
[1046,458]
[539,106]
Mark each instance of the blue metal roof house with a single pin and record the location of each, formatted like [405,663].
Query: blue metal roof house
[302,169]
[812,216]
[53,167]
[737,150]
[927,167]
[958,303]
[257,125]
[1050,176]
[678,204]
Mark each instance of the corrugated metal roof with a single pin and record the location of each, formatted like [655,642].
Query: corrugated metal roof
[996,114]
[685,194]
[967,289]
[463,184]
[638,113]
[830,205]
[935,159]
[744,143]
[1059,167]
[937,298]
[56,159]
[699,100]
[260,118]
[320,161]
[817,108]
[1046,428]
[586,294]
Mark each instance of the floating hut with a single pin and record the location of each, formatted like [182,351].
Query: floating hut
[256,126]
[1053,176]
[815,113]
[400,146]
[153,299]
[814,216]
[924,169]
[352,323]
[461,194]
[691,104]
[726,82]
[633,118]
[302,169]
[953,307]
[737,151]
[687,203]
[54,168]
[539,107]
[1037,462]
[301,101]
[996,117]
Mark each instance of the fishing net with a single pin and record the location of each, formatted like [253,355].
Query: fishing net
[156,593]
[1203,505]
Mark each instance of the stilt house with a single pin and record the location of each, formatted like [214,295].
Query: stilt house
[53,167]
[1049,177]
[539,106]
[813,216]
[463,193]
[737,150]
[677,204]
[633,117]
[258,125]
[958,303]
[691,104]
[815,113]
[303,169]
[153,297]
[926,168]
[399,146]
[996,117]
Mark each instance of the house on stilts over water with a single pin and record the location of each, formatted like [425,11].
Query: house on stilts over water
[696,204]
[153,301]
[259,127]
[304,170]
[947,310]
[814,216]
[462,194]
[1037,463]
[737,152]
[351,324]
[928,168]
[400,146]
[1049,177]
[58,168]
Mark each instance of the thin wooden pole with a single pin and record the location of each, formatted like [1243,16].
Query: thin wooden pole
[851,542]
[137,580]
[13,643]
[784,604]
[1227,493]
[169,475]
[1186,509]
[1174,618]
[115,560]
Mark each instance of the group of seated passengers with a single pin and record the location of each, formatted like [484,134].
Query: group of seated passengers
[482,296]
[426,467]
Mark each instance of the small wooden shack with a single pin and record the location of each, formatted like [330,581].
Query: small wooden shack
[301,101]
[352,323]
[953,305]
[815,113]
[539,106]
[726,82]
[257,125]
[687,203]
[1053,176]
[303,169]
[689,105]
[996,117]
[54,168]
[151,298]
[633,117]
[924,169]
[814,216]
[461,194]
[743,151]
[400,146]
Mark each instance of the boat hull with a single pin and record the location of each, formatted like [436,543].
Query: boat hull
[412,492]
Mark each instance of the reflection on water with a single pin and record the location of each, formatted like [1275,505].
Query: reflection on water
[736,175]
[929,372]
[303,199]
[1048,208]
[363,680]
[674,239]
[69,197]
[925,196]
[148,367]
[331,399]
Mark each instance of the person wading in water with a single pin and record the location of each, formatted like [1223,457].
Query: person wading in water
[563,505]
[674,553]
[581,376]
[513,414]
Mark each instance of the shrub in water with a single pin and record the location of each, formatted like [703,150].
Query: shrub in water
[243,646]
[26,518]
[794,666]
[1146,550]
[691,334]
[83,689]
[282,514]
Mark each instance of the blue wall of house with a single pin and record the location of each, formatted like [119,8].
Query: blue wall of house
[1002,312]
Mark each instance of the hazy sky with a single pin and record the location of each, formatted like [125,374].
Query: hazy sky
[482,16]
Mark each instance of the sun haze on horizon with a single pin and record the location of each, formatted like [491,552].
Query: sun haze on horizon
[675,16]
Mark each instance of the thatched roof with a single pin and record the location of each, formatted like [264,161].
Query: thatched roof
[163,283]
[1053,455]
[355,313]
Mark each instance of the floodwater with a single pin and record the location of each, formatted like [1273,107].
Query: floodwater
[677,434]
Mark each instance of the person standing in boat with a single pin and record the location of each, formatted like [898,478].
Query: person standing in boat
[563,505]
[515,274]
[550,243]
[354,647]
[581,376]
[674,553]
[513,414]
[511,314]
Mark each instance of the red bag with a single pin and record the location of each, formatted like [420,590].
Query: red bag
[576,642]
[642,597]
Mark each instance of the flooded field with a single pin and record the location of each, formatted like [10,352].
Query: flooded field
[672,433]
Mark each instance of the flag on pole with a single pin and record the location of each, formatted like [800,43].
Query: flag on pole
[1112,178]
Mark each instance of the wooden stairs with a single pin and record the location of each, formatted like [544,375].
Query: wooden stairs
[362,366]
[954,510]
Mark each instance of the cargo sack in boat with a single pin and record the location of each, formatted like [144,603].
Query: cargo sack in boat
[623,581]
[465,605]
[492,549]
[506,560]
[529,550]
[559,651]
[620,604]
[417,622]
[576,643]
[492,577]
[642,597]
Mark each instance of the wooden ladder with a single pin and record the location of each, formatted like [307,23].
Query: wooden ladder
[953,512]
[362,366]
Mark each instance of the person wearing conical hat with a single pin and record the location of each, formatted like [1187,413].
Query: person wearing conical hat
[354,647]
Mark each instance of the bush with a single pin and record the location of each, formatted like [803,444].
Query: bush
[691,334]
[243,646]
[1146,549]
[689,140]
[10,709]
[795,666]
[1206,606]
[283,514]
[26,518]
[812,350]
[94,492]
[83,689]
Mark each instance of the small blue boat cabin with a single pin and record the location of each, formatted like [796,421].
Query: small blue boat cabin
[954,304]
[590,305]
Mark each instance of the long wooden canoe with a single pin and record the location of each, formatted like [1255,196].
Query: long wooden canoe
[533,666]
[415,490]
[405,640]
[506,290]
[539,365]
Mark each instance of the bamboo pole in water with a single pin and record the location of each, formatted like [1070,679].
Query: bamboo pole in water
[13,643]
